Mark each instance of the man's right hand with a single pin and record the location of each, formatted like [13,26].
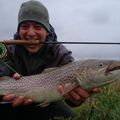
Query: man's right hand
[17,101]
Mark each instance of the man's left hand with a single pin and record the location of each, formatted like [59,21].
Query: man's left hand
[77,95]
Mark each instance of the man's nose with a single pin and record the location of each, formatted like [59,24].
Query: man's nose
[31,32]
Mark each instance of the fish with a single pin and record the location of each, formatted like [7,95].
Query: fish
[43,88]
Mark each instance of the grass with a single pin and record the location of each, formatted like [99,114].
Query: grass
[103,106]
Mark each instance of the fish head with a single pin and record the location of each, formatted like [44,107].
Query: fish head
[97,73]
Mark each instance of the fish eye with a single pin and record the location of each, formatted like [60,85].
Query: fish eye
[101,65]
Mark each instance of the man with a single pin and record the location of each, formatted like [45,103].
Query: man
[33,24]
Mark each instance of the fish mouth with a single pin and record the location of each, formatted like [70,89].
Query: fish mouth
[110,69]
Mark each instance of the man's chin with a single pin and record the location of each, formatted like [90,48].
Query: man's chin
[32,50]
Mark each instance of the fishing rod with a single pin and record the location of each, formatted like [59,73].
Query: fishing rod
[35,42]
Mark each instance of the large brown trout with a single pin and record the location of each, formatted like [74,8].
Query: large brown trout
[43,88]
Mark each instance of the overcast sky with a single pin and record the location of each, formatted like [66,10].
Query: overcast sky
[74,20]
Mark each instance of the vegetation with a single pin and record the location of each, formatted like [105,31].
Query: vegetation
[103,106]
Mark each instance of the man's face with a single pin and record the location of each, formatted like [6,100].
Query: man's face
[32,31]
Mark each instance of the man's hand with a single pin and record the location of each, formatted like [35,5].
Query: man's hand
[77,95]
[17,101]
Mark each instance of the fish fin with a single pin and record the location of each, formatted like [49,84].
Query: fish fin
[69,87]
[43,104]
[49,69]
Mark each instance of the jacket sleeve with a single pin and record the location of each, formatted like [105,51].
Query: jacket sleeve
[62,55]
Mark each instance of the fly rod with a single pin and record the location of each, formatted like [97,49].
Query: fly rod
[35,42]
[19,42]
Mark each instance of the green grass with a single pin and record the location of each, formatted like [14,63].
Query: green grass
[103,106]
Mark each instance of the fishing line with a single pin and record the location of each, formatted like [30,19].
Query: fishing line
[8,66]
[3,55]
[12,68]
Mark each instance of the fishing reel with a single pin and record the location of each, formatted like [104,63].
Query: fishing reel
[3,51]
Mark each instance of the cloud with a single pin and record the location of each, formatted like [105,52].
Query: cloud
[74,20]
